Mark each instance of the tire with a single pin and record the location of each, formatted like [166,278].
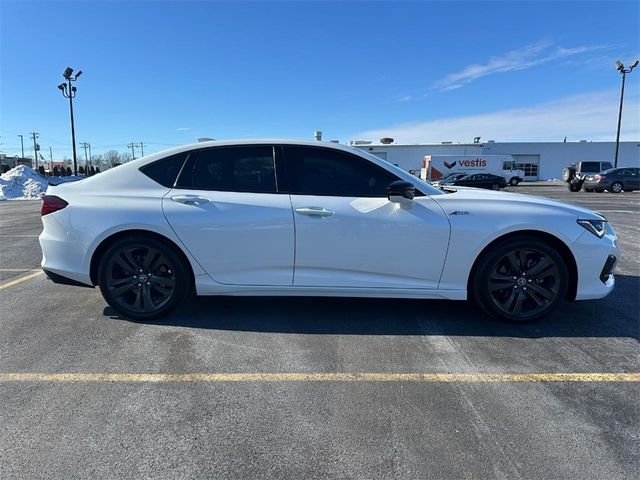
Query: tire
[568,173]
[598,190]
[541,280]
[142,295]
[514,182]
[616,187]
[575,186]
[495,186]
[589,189]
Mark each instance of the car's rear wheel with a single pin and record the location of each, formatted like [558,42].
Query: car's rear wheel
[143,278]
[575,186]
[616,187]
[513,182]
[495,186]
[520,280]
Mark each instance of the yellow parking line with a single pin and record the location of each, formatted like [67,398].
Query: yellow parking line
[321,377]
[20,279]
[18,269]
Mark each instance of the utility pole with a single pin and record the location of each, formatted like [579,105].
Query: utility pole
[86,162]
[141,149]
[132,146]
[22,145]
[36,147]
[50,154]
[89,154]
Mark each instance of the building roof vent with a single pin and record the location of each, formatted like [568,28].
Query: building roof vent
[360,142]
[386,140]
[318,135]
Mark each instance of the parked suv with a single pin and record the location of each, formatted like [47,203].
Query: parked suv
[615,180]
[576,173]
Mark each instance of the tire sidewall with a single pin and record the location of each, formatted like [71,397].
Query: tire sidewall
[180,272]
[479,284]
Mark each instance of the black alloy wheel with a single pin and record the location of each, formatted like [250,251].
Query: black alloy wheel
[142,278]
[520,281]
[495,186]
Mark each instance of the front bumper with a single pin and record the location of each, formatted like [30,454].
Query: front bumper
[595,267]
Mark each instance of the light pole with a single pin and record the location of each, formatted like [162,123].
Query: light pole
[623,72]
[69,91]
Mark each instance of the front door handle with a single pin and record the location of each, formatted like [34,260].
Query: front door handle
[190,199]
[314,211]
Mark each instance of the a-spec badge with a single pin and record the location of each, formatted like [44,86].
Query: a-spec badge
[459,212]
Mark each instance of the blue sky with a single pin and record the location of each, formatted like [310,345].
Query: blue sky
[167,72]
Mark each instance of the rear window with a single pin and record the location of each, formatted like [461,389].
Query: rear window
[590,167]
[165,171]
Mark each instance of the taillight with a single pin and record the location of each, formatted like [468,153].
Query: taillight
[51,203]
[599,177]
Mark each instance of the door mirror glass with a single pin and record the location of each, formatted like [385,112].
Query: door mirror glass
[401,191]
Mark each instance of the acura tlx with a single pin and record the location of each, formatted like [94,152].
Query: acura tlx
[273,217]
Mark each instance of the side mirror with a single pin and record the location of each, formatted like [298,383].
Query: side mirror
[401,191]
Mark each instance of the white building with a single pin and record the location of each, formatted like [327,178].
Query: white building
[539,160]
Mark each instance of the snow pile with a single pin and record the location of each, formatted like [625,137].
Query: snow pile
[21,183]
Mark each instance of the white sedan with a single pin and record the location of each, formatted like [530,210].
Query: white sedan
[302,218]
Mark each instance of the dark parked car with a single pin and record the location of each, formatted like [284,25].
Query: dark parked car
[448,179]
[615,180]
[481,180]
[576,173]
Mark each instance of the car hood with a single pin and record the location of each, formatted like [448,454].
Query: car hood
[469,198]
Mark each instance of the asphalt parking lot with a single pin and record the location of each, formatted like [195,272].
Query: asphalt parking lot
[273,387]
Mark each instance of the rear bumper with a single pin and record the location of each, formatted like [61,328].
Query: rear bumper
[595,184]
[62,280]
[63,256]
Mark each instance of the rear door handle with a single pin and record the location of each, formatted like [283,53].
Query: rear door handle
[314,211]
[190,199]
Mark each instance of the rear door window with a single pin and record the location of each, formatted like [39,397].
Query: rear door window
[231,169]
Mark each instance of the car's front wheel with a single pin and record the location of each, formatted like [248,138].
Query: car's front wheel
[520,280]
[495,186]
[143,278]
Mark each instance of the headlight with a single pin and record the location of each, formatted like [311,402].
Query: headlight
[597,227]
